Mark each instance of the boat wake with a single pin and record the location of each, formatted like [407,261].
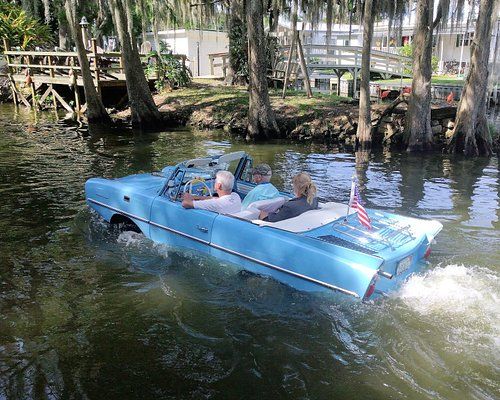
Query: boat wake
[463,300]
[130,238]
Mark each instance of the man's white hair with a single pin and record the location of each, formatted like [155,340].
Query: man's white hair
[226,179]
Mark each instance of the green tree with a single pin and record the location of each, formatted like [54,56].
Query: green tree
[471,135]
[145,114]
[96,113]
[261,119]
[364,132]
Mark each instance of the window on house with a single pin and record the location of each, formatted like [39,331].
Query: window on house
[322,84]
[467,39]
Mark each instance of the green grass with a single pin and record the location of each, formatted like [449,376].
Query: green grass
[227,100]
[437,79]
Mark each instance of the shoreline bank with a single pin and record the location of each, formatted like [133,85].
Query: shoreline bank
[211,105]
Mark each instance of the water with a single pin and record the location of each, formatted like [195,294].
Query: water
[90,313]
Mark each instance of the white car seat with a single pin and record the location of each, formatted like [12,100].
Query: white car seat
[254,209]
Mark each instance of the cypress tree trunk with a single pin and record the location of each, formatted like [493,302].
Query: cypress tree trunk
[261,119]
[364,132]
[300,51]
[418,133]
[96,113]
[101,19]
[46,12]
[238,44]
[62,23]
[471,135]
[156,26]
[144,22]
[145,114]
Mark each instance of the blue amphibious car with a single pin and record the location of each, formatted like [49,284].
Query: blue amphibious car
[321,250]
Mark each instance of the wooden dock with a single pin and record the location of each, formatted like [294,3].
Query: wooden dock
[39,76]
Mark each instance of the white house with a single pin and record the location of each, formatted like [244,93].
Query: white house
[339,35]
[196,45]
[451,43]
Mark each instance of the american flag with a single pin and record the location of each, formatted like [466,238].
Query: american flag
[363,217]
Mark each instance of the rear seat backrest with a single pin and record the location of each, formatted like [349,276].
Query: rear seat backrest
[269,206]
[254,209]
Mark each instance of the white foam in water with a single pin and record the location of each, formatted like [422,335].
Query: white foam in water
[138,240]
[130,238]
[464,300]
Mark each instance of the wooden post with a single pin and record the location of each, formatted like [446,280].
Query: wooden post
[121,63]
[77,96]
[339,74]
[288,65]
[303,66]
[34,101]
[355,94]
[51,73]
[96,65]
[9,72]
[157,69]
[211,65]
[224,66]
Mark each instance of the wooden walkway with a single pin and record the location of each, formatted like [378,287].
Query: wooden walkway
[324,61]
[342,59]
[39,76]
[327,61]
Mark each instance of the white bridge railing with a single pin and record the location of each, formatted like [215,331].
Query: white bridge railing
[321,58]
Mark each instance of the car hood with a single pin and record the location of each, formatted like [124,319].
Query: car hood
[143,181]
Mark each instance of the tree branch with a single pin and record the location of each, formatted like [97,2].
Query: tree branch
[206,3]
[439,16]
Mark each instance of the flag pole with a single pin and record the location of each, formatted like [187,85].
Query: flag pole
[351,196]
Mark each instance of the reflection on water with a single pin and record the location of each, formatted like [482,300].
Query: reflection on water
[86,311]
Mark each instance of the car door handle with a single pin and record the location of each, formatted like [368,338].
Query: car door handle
[202,228]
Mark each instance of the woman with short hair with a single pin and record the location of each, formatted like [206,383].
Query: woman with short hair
[305,200]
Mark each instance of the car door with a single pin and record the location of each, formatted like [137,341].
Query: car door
[171,223]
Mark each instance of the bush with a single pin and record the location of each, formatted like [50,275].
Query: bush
[171,73]
[21,29]
[407,51]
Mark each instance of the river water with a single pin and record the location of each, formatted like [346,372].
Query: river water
[89,313]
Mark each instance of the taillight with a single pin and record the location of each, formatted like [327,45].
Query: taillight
[371,288]
[427,252]
[370,291]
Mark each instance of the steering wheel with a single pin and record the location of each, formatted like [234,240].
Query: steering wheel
[189,184]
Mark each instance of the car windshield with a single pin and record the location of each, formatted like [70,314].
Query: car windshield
[194,180]
[197,175]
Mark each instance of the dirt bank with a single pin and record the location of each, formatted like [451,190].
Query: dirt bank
[324,118]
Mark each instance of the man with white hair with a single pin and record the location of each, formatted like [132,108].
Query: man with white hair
[228,202]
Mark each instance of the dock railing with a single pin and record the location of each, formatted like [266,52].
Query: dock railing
[36,68]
